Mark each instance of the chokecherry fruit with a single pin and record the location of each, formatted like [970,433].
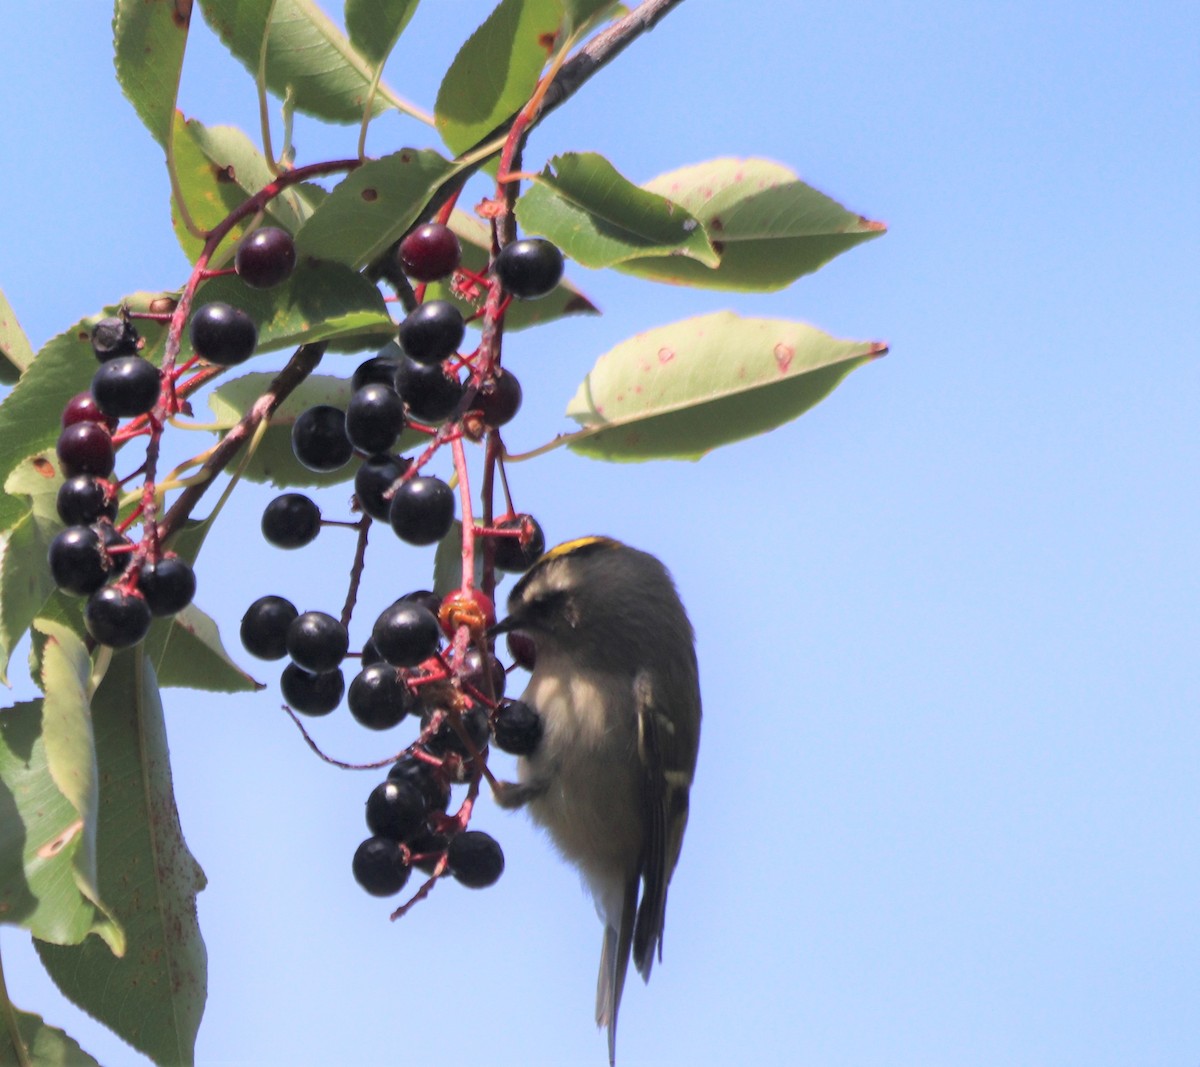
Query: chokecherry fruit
[265,258]
[529,268]
[431,785]
[427,849]
[167,585]
[319,438]
[499,399]
[430,252]
[265,627]
[126,386]
[114,337]
[86,448]
[395,810]
[374,418]
[313,693]
[517,554]
[374,478]
[78,565]
[445,739]
[422,510]
[291,520]
[379,867]
[475,859]
[406,634]
[116,546]
[317,641]
[522,650]
[426,598]
[116,617]
[82,408]
[518,728]
[378,699]
[223,334]
[491,681]
[83,499]
[379,368]
[428,391]
[432,332]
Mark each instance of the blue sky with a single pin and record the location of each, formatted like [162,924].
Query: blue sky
[946,809]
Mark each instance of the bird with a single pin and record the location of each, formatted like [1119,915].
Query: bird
[616,684]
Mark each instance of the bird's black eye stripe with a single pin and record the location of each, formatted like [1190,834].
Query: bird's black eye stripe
[546,606]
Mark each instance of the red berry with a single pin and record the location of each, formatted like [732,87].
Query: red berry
[430,252]
[266,257]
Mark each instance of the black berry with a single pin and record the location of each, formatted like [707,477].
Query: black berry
[374,478]
[114,337]
[517,554]
[475,858]
[223,334]
[529,268]
[427,849]
[522,650]
[428,392]
[319,438]
[265,258]
[518,728]
[432,332]
[83,499]
[86,448]
[82,408]
[116,546]
[406,634]
[395,810]
[317,641]
[374,418]
[291,520]
[430,252]
[445,739]
[379,867]
[422,510]
[265,626]
[116,618]
[475,674]
[378,698]
[426,598]
[432,787]
[77,563]
[126,386]
[498,399]
[379,369]
[312,693]
[168,585]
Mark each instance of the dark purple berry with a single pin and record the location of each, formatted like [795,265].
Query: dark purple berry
[427,849]
[223,334]
[474,673]
[167,585]
[374,478]
[319,438]
[378,699]
[379,369]
[86,448]
[522,649]
[498,399]
[370,654]
[379,867]
[475,858]
[374,418]
[432,332]
[117,618]
[78,564]
[116,546]
[529,268]
[312,693]
[426,598]
[428,392]
[430,252]
[291,520]
[317,641]
[422,511]
[406,634]
[518,728]
[395,810]
[114,337]
[517,554]
[82,408]
[431,785]
[85,498]
[126,386]
[445,739]
[265,258]
[265,627]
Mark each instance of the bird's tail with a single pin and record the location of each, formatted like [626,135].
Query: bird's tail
[614,962]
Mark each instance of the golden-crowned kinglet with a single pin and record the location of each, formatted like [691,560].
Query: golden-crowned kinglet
[616,685]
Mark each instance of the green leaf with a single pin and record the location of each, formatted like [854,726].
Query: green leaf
[218,169]
[30,414]
[476,242]
[373,207]
[679,391]
[447,562]
[25,581]
[45,1045]
[15,351]
[600,218]
[186,651]
[768,226]
[584,14]
[496,71]
[153,997]
[148,40]
[306,53]
[375,25]
[319,302]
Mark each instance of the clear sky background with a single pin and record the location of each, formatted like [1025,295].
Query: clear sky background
[947,805]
